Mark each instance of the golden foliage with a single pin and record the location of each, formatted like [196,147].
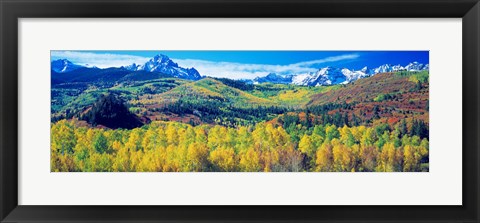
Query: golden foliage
[177,147]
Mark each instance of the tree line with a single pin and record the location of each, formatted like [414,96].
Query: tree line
[177,147]
[214,111]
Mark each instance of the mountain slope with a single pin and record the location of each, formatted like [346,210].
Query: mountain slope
[163,64]
[387,95]
[335,75]
[63,66]
[274,78]
[208,101]
[209,89]
[64,71]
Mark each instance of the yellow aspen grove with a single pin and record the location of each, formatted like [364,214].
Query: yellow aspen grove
[182,137]
[344,134]
[306,146]
[355,157]
[223,159]
[162,137]
[399,159]
[423,150]
[171,164]
[230,138]
[149,141]
[292,160]
[94,162]
[389,159]
[250,161]
[244,140]
[188,137]
[66,163]
[331,132]
[216,136]
[148,162]
[104,163]
[317,139]
[121,163]
[54,162]
[410,160]
[358,132]
[270,160]
[197,157]
[171,133]
[160,116]
[116,146]
[89,139]
[63,138]
[368,137]
[175,147]
[182,161]
[160,157]
[201,135]
[81,150]
[324,162]
[135,159]
[260,137]
[270,133]
[368,157]
[341,157]
[134,142]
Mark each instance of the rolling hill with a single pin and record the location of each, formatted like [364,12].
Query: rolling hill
[384,97]
[387,97]
[207,101]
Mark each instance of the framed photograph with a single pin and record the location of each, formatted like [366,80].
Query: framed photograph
[228,111]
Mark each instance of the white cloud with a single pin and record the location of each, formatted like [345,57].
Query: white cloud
[101,60]
[238,70]
[328,59]
[206,68]
[250,71]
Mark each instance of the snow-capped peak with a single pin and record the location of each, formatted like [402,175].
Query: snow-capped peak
[274,78]
[158,63]
[165,60]
[163,64]
[381,69]
[415,66]
[300,79]
[325,76]
[332,75]
[63,66]
[133,67]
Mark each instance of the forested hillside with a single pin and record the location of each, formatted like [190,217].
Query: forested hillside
[129,121]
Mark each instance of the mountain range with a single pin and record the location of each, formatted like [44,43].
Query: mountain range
[335,75]
[161,66]
[63,66]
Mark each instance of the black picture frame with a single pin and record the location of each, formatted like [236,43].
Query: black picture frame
[12,10]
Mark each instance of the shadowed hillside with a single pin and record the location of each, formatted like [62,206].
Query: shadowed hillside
[110,111]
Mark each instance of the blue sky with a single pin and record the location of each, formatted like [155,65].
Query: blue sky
[248,64]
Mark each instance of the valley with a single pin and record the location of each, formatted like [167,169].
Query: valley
[162,117]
